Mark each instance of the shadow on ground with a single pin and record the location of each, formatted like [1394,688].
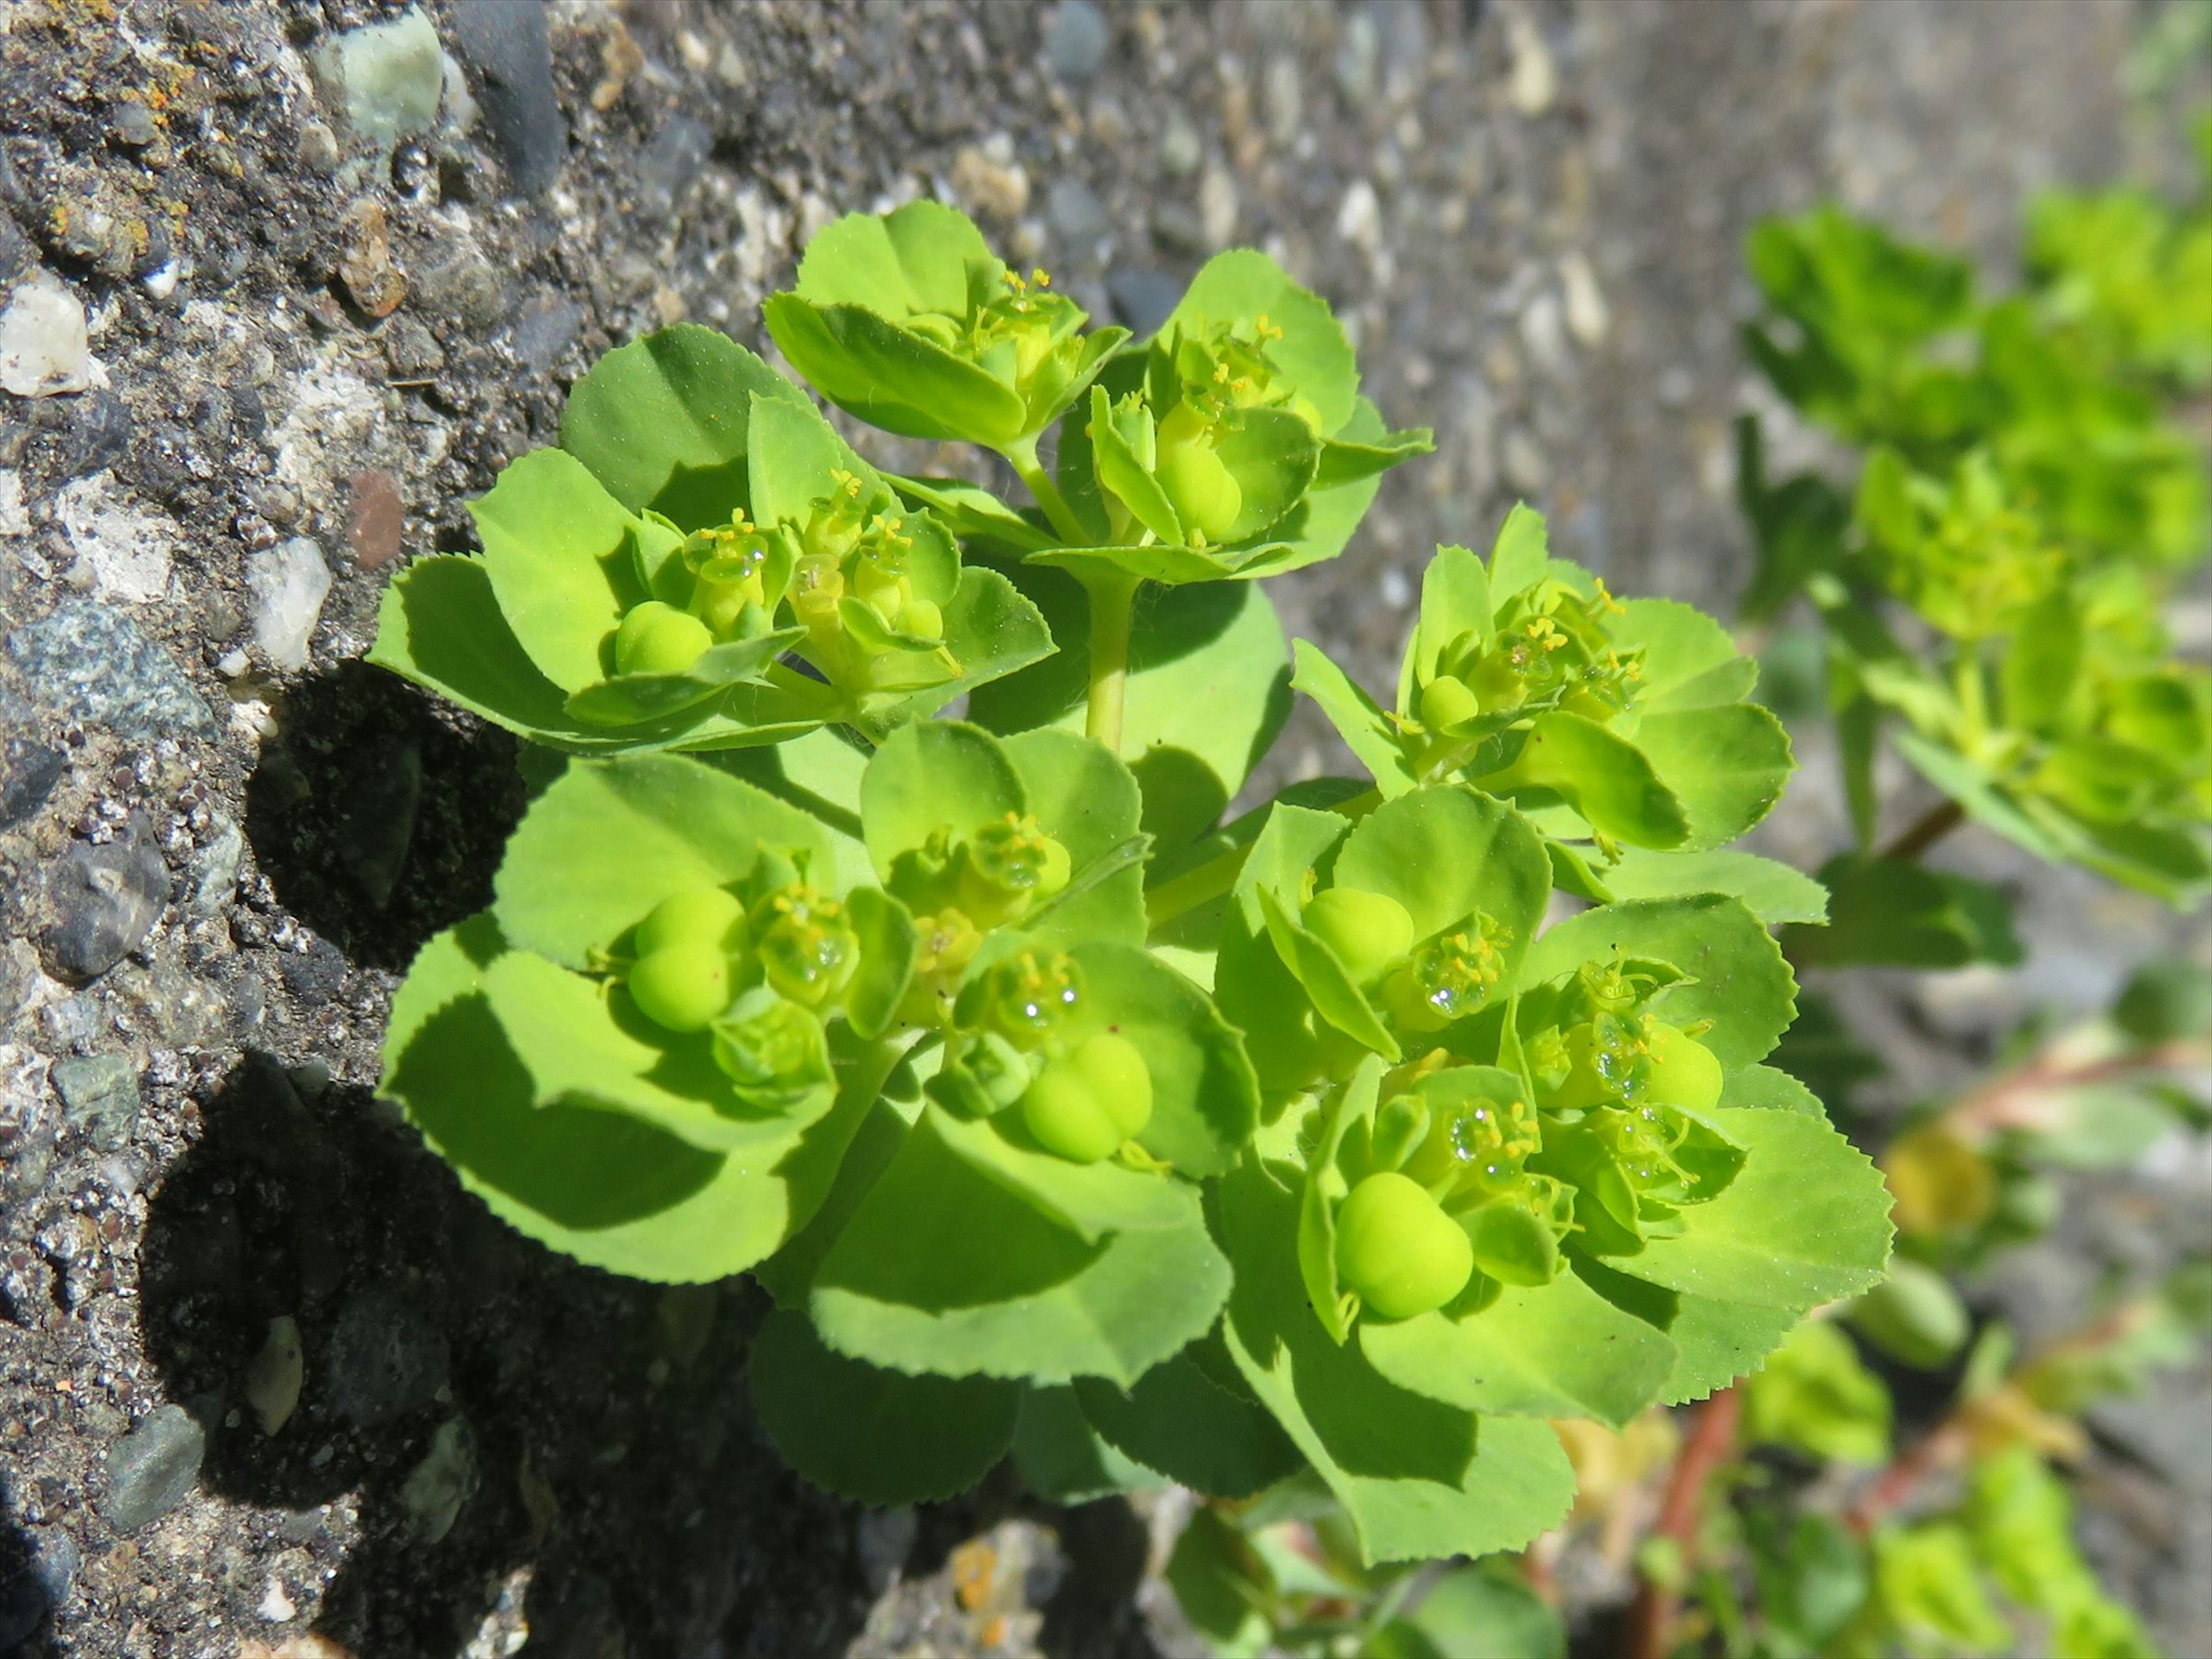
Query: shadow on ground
[490,1404]
[379,814]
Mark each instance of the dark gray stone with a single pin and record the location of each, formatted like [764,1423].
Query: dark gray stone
[384,1359]
[504,42]
[99,1097]
[1076,40]
[316,975]
[671,164]
[28,772]
[1143,298]
[101,902]
[153,1468]
[543,332]
[100,435]
[90,662]
[1078,217]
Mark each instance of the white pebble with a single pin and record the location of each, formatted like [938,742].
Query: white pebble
[43,346]
[288,583]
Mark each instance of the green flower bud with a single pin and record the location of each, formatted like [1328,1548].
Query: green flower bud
[704,915]
[1027,998]
[1447,979]
[772,1050]
[1446,702]
[1398,1249]
[1009,868]
[807,948]
[655,638]
[1366,931]
[1603,1058]
[1478,1146]
[948,943]
[681,987]
[1084,1103]
[834,525]
[1680,1070]
[989,1076]
[726,585]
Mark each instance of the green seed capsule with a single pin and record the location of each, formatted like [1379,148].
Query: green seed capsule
[1398,1249]
[682,986]
[1084,1103]
[659,639]
[1682,1071]
[705,916]
[1368,932]
[1446,702]
[922,620]
[1199,484]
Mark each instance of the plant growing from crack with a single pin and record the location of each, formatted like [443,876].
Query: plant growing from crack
[1060,1111]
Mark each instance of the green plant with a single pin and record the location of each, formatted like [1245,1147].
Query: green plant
[1293,1153]
[1989,597]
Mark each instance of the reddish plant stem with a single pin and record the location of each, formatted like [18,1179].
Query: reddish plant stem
[1712,1438]
[1930,827]
[2005,1102]
[1894,1486]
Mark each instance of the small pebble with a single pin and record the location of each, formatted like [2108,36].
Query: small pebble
[376,519]
[365,266]
[103,900]
[383,81]
[44,349]
[288,583]
[437,1487]
[508,48]
[153,1468]
[1534,85]
[99,1097]
[274,1379]
[1076,40]
[90,662]
[988,181]
[1181,147]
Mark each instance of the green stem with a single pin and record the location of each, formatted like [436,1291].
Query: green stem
[1112,597]
[1024,458]
[1181,894]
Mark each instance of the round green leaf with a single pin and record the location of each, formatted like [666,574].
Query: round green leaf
[1177,1419]
[608,840]
[1087,801]
[1601,774]
[1805,1222]
[606,1188]
[1727,766]
[932,775]
[1555,1350]
[946,1268]
[1741,981]
[875,1435]
[661,423]
[1312,355]
[1446,853]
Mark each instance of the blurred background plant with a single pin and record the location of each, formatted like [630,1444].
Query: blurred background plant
[1981,587]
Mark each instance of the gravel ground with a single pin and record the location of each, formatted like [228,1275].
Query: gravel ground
[289,282]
